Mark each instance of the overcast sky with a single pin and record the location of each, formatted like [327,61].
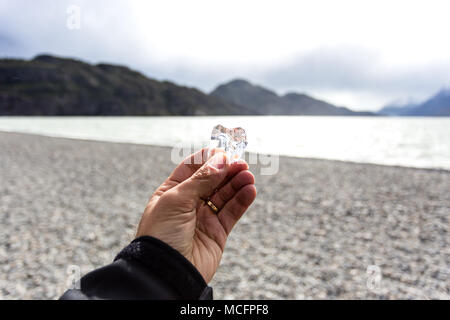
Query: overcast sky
[361,54]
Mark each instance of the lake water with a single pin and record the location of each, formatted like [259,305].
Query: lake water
[415,142]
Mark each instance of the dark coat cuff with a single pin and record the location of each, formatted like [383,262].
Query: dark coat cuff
[167,264]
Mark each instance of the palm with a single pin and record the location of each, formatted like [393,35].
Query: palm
[189,225]
[208,241]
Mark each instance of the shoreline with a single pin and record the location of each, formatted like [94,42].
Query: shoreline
[315,230]
[169,147]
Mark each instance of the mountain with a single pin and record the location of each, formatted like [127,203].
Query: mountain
[54,86]
[436,106]
[395,109]
[264,101]
[48,85]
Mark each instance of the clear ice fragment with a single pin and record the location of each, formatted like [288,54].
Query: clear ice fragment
[232,141]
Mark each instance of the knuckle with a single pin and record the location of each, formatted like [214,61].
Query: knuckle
[225,194]
[203,173]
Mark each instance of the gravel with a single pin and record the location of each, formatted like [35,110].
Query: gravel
[318,229]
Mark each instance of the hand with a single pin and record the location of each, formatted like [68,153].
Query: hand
[178,215]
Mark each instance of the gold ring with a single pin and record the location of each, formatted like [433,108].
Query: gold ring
[212,206]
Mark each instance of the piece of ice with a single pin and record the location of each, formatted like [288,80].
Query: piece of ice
[232,141]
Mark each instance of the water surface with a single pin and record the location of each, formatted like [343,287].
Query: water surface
[416,142]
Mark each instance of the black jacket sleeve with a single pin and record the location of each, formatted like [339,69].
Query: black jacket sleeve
[146,269]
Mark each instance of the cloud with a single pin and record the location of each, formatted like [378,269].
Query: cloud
[357,70]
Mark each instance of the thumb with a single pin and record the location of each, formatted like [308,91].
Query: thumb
[206,179]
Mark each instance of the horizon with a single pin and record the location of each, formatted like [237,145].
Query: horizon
[374,55]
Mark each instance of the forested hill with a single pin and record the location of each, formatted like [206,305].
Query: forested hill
[53,86]
[48,85]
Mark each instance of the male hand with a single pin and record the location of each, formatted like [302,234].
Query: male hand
[178,215]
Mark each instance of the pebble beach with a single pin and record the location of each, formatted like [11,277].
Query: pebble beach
[318,229]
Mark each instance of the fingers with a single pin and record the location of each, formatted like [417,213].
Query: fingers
[189,166]
[195,161]
[235,208]
[209,177]
[226,192]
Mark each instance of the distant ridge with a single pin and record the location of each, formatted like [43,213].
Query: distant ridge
[48,85]
[436,106]
[261,100]
[55,86]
